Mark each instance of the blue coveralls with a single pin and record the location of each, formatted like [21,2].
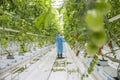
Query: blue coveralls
[59,44]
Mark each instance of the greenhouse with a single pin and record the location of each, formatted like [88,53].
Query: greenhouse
[59,39]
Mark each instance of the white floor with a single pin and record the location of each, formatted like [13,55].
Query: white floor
[50,68]
[41,69]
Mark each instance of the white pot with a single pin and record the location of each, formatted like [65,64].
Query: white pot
[103,62]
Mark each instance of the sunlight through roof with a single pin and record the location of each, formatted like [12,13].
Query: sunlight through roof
[57,3]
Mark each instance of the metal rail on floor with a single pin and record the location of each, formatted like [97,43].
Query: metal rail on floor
[10,69]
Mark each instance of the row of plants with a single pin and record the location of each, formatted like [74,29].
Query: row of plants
[88,25]
[27,21]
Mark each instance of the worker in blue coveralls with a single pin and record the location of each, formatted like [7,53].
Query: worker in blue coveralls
[59,44]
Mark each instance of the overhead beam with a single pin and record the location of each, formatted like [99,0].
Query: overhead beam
[7,29]
[12,30]
[32,34]
[114,18]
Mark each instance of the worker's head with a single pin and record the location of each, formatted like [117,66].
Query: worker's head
[59,33]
